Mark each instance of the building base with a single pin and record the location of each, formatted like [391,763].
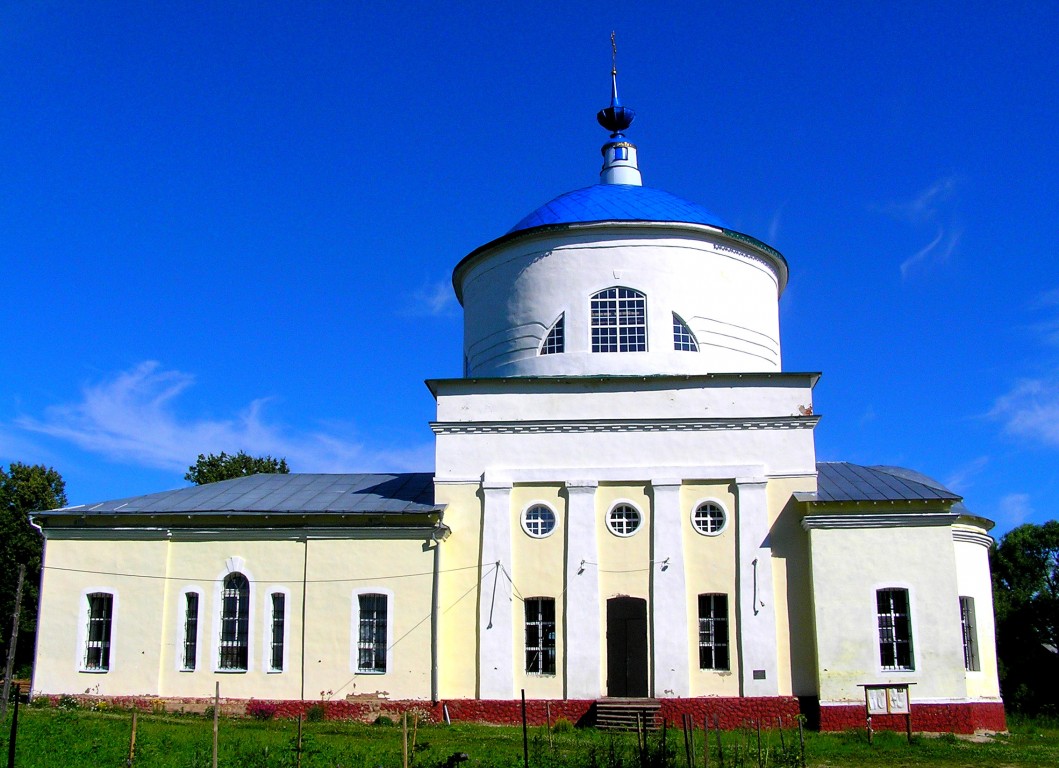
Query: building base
[726,713]
[926,718]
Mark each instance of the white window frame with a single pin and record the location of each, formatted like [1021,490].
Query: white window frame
[526,524]
[266,647]
[233,565]
[610,522]
[724,513]
[82,631]
[181,625]
[912,624]
[354,636]
[620,321]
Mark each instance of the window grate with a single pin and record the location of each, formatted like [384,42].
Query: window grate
[371,644]
[970,634]
[235,623]
[895,629]
[624,520]
[540,635]
[708,518]
[278,618]
[713,632]
[191,631]
[97,644]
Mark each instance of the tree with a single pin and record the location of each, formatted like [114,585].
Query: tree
[24,488]
[210,469]
[1026,590]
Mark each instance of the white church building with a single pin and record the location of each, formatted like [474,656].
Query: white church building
[626,504]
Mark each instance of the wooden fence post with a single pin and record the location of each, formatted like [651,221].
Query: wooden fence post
[14,642]
[216,714]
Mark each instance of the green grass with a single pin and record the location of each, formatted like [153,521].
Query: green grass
[84,739]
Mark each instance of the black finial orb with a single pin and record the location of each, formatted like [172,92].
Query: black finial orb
[615,118]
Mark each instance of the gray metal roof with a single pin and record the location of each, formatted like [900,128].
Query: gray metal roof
[842,481]
[408,493]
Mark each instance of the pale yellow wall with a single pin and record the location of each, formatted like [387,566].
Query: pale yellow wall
[148,623]
[459,589]
[973,580]
[792,588]
[538,571]
[709,565]
[338,567]
[76,566]
[202,565]
[848,566]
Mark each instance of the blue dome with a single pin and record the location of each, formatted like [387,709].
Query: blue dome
[617,202]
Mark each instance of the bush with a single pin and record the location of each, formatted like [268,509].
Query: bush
[261,710]
[562,725]
[316,713]
[382,720]
[67,702]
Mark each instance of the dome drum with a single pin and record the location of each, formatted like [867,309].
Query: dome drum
[686,299]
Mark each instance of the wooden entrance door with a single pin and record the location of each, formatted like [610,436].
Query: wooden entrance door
[627,647]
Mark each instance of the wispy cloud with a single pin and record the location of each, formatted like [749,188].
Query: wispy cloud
[131,417]
[1031,410]
[1014,509]
[1048,328]
[774,223]
[435,299]
[932,208]
[936,251]
[962,478]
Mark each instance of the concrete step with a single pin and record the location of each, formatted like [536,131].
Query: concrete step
[625,714]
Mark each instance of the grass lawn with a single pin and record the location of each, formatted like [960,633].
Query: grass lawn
[85,739]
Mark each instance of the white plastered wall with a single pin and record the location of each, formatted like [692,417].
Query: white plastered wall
[848,566]
[973,580]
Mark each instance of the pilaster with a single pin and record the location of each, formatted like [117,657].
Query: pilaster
[495,612]
[582,661]
[669,600]
[756,612]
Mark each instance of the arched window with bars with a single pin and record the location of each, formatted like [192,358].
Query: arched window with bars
[235,623]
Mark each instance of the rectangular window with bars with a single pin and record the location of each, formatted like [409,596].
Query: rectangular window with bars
[970,634]
[540,635]
[279,602]
[895,629]
[97,636]
[371,640]
[713,632]
[191,630]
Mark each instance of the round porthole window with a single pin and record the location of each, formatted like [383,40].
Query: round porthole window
[624,520]
[538,520]
[709,518]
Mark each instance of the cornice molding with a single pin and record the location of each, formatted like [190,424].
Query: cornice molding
[238,534]
[973,537]
[879,520]
[563,426]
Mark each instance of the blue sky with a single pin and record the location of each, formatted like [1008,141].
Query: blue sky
[233,227]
